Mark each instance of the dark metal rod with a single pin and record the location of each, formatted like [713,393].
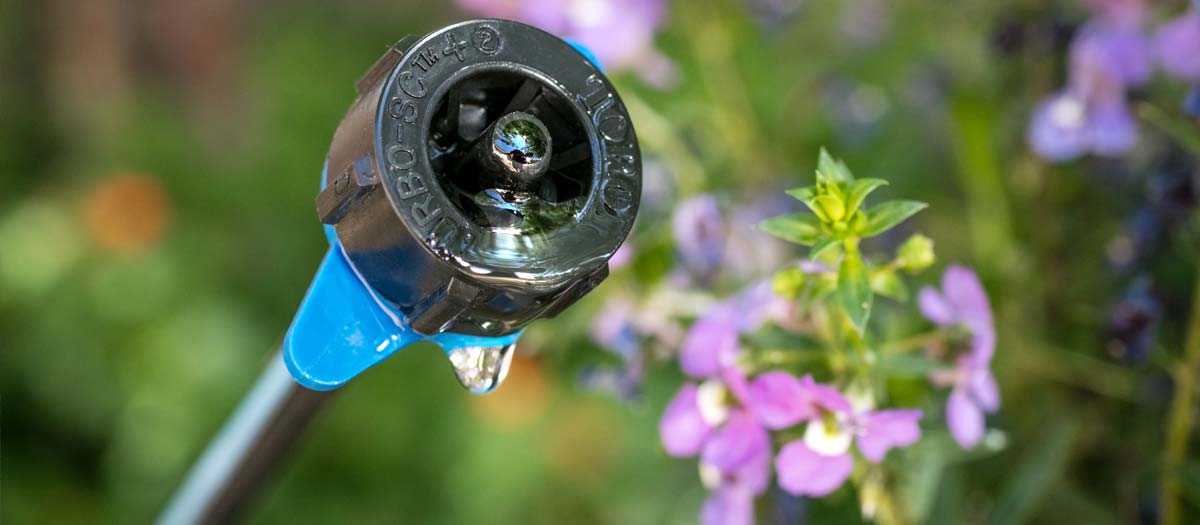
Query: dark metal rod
[266,424]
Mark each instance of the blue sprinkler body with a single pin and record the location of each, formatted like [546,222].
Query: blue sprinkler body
[343,327]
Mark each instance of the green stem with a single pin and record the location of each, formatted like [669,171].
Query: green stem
[772,356]
[1181,131]
[1076,369]
[876,493]
[916,342]
[1180,417]
[989,222]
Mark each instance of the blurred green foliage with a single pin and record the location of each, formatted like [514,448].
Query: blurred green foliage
[125,342]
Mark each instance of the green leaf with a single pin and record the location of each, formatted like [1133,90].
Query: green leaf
[859,190]
[821,246]
[800,228]
[1031,478]
[773,336]
[883,217]
[804,194]
[909,365]
[854,289]
[811,196]
[885,282]
[832,171]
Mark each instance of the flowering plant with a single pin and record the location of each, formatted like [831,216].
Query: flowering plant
[793,363]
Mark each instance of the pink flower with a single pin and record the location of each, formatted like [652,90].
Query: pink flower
[619,32]
[714,419]
[734,450]
[819,463]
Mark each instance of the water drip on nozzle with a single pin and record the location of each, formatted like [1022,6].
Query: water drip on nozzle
[481,369]
[516,147]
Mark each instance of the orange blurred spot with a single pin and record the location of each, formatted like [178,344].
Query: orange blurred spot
[583,442]
[127,212]
[520,400]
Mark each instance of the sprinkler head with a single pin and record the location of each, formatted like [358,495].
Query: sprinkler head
[482,178]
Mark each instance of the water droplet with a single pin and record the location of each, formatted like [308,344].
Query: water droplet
[480,369]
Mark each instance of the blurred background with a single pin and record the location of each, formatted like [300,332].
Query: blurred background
[159,160]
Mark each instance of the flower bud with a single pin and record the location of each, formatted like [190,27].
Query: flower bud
[916,253]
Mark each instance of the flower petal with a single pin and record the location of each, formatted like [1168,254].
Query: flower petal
[728,506]
[682,428]
[966,295]
[755,476]
[1057,130]
[710,344]
[1176,43]
[964,418]
[779,400]
[1113,130]
[613,328]
[1118,51]
[934,307]
[757,304]
[735,381]
[969,300]
[826,396]
[984,390]
[888,429]
[983,345]
[699,235]
[735,444]
[827,437]
[802,472]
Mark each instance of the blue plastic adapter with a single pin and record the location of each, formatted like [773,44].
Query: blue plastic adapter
[344,327]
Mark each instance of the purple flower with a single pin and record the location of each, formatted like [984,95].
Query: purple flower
[729,504]
[1067,125]
[973,394]
[683,429]
[699,236]
[621,328]
[820,462]
[622,257]
[732,499]
[803,472]
[713,419]
[1115,35]
[614,329]
[619,32]
[710,345]
[755,305]
[1109,55]
[735,456]
[710,348]
[734,448]
[963,302]
[750,252]
[1177,46]
[780,400]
